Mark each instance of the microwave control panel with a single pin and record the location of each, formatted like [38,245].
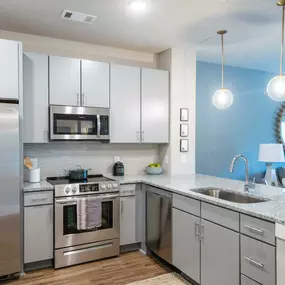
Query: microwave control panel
[104,125]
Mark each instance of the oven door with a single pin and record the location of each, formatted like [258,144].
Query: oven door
[79,123]
[66,232]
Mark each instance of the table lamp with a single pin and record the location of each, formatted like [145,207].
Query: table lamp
[270,153]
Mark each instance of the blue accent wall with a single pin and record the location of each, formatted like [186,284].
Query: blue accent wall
[221,134]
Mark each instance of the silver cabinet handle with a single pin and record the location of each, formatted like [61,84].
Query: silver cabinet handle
[201,231]
[142,136]
[39,199]
[78,101]
[197,229]
[83,99]
[51,215]
[252,261]
[254,230]
[46,135]
[122,207]
[138,136]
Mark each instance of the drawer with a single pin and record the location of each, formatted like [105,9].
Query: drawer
[221,216]
[258,260]
[128,190]
[259,229]
[187,204]
[38,198]
[246,281]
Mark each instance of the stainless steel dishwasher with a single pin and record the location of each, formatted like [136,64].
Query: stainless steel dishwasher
[159,222]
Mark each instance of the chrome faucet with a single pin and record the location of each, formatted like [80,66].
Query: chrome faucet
[248,184]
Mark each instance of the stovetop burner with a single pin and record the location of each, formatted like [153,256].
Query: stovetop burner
[65,180]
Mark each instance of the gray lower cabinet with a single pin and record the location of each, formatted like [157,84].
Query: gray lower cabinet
[38,233]
[186,244]
[220,261]
[128,220]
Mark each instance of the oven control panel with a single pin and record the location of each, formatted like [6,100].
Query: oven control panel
[89,188]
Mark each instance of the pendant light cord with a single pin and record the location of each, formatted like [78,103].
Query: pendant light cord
[282,43]
[223,60]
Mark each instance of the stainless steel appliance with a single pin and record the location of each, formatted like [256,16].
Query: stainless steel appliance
[79,123]
[10,251]
[159,223]
[73,246]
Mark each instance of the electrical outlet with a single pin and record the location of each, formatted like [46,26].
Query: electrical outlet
[116,159]
[183,159]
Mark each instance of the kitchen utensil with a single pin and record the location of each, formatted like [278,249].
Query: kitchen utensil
[28,163]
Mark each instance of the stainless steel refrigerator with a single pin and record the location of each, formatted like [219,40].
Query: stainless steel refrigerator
[10,221]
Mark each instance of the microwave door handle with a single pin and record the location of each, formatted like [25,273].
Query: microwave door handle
[98,126]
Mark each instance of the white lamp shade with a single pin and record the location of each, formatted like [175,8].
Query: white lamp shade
[271,153]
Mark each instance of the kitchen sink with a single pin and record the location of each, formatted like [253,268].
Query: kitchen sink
[230,196]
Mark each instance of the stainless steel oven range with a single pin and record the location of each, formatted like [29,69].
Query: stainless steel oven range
[73,246]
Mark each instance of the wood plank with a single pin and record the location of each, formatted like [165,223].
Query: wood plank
[127,268]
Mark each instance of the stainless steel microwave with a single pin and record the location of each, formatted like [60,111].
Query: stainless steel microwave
[79,123]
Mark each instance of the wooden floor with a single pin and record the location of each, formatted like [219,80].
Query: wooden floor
[126,268]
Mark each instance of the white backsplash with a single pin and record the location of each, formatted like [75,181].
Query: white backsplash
[54,158]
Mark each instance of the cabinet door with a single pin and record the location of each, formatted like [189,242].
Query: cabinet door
[155,106]
[38,233]
[64,82]
[128,220]
[125,104]
[95,84]
[220,261]
[9,69]
[186,244]
[35,98]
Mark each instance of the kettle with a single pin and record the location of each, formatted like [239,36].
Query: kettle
[118,169]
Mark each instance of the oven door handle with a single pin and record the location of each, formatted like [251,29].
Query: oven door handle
[74,201]
[64,202]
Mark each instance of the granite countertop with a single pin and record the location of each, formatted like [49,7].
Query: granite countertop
[273,210]
[41,186]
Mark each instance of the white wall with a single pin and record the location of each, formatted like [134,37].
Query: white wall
[55,157]
[60,47]
[182,66]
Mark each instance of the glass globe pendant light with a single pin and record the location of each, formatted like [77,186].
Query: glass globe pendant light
[223,98]
[276,86]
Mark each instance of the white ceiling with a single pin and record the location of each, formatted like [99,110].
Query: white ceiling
[254,26]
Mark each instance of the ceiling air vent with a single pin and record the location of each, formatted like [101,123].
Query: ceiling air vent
[78,17]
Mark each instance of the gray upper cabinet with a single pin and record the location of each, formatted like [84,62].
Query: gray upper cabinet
[186,244]
[155,106]
[38,233]
[220,257]
[35,98]
[128,220]
[9,69]
[125,104]
[64,74]
[95,84]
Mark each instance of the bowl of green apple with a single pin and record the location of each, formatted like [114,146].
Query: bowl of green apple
[154,169]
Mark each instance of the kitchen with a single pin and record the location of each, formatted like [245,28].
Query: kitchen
[73,104]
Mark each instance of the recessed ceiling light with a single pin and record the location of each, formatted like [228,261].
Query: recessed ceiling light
[138,5]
